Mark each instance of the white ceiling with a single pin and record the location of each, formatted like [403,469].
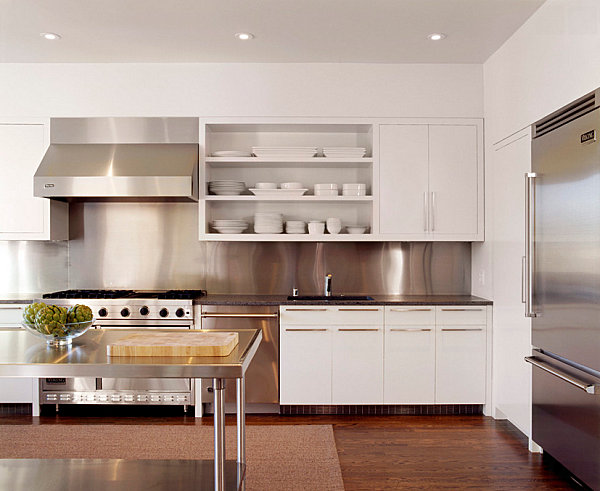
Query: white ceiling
[339,31]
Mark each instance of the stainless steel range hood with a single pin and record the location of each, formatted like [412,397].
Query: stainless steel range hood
[120,159]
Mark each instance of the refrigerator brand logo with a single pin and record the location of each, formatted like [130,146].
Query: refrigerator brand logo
[588,137]
[52,185]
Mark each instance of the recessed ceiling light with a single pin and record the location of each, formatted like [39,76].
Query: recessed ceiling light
[50,36]
[244,36]
[436,36]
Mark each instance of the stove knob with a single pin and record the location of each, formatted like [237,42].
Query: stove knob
[180,313]
[103,312]
[144,310]
[163,312]
[125,312]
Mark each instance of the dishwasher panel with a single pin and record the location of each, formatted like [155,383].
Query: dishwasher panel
[262,377]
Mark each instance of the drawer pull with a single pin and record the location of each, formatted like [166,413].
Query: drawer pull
[589,388]
[444,329]
[238,315]
[306,310]
[411,310]
[462,310]
[358,310]
[410,330]
[358,330]
[306,330]
[10,308]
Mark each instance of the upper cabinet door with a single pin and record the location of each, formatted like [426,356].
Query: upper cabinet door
[404,179]
[454,180]
[23,217]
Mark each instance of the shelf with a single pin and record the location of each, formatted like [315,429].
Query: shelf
[346,199]
[288,162]
[290,237]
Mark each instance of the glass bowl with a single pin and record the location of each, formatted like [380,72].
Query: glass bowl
[62,336]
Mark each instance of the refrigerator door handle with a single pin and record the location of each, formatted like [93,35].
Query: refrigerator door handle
[593,389]
[523,287]
[529,241]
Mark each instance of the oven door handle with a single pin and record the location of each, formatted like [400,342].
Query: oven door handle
[234,315]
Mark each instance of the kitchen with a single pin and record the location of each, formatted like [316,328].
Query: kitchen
[508,88]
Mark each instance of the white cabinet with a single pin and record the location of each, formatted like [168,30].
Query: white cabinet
[23,217]
[331,355]
[409,355]
[431,181]
[242,136]
[18,389]
[460,355]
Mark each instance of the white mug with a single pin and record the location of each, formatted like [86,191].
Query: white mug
[316,227]
[334,225]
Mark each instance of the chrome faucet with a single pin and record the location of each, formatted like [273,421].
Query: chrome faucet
[328,278]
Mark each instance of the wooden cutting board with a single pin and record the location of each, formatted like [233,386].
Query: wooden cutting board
[195,343]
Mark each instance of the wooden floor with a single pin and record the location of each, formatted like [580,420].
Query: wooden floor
[396,452]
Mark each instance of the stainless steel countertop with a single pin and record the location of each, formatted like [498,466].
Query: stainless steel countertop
[24,355]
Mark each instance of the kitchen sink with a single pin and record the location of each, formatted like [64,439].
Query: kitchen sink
[330,297]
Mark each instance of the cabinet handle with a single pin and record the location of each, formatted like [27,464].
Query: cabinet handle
[10,308]
[432,211]
[306,310]
[410,330]
[479,329]
[357,330]
[358,310]
[238,315]
[411,310]
[306,330]
[425,212]
[462,310]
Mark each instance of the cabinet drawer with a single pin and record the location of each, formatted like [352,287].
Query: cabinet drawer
[332,315]
[10,315]
[409,315]
[461,315]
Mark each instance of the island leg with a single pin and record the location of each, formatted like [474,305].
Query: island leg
[219,424]
[241,432]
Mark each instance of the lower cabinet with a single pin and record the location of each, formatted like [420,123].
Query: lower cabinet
[18,389]
[383,355]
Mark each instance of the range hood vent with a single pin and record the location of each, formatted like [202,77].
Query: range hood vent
[120,159]
[566,114]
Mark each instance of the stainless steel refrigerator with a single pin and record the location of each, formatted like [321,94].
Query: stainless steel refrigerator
[563,285]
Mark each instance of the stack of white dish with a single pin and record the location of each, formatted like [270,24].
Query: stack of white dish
[344,152]
[229,188]
[285,152]
[231,153]
[295,227]
[329,189]
[230,226]
[358,189]
[268,223]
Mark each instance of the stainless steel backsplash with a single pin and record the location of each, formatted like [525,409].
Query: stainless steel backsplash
[33,266]
[156,246]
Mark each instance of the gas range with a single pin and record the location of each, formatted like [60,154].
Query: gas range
[132,307]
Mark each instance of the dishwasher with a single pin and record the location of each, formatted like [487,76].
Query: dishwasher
[262,377]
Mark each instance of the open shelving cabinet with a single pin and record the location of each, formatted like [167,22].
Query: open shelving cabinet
[229,135]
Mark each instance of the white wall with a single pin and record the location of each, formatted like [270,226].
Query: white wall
[411,90]
[551,60]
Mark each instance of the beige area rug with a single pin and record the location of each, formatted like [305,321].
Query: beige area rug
[278,457]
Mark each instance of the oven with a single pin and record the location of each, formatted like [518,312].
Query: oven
[120,309]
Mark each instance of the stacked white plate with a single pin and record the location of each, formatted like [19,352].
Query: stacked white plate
[285,152]
[344,152]
[268,223]
[295,227]
[226,187]
[329,189]
[358,189]
[230,226]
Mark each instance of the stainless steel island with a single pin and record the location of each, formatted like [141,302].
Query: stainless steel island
[23,355]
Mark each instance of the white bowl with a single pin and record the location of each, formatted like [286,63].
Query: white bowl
[291,185]
[316,227]
[266,185]
[326,192]
[356,230]
[326,186]
[354,192]
[358,185]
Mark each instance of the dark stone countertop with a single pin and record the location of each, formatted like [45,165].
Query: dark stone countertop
[232,299]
